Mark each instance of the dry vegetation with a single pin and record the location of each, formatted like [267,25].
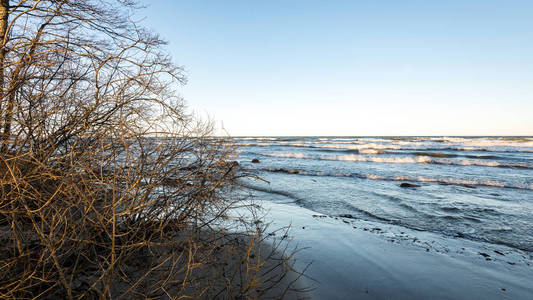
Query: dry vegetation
[108,187]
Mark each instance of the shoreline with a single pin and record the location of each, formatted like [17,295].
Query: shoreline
[352,258]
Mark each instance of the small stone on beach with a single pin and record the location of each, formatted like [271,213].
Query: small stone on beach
[408,185]
[319,216]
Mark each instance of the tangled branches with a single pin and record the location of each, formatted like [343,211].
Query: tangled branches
[108,188]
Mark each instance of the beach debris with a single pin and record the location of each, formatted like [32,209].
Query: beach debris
[468,186]
[288,171]
[320,216]
[485,255]
[347,216]
[255,161]
[498,252]
[408,185]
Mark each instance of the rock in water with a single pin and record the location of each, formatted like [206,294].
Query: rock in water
[408,185]
[255,161]
[289,171]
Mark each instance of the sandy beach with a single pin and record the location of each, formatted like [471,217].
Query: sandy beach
[355,259]
[266,149]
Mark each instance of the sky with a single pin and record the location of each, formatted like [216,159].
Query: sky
[353,68]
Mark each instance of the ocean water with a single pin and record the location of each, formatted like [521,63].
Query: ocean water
[478,188]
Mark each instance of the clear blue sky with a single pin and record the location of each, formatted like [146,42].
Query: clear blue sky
[374,67]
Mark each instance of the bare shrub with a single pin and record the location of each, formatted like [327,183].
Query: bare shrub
[108,187]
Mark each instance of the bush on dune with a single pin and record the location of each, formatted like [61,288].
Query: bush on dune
[108,187]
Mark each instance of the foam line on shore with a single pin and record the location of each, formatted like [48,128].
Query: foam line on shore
[352,259]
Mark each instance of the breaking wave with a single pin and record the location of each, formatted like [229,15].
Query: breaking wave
[400,160]
[331,174]
[453,181]
[443,181]
[491,144]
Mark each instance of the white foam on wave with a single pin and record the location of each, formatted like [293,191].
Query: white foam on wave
[482,163]
[370,151]
[446,181]
[400,160]
[251,144]
[258,138]
[453,181]
[375,177]
[335,142]
[472,144]
[289,155]
[415,143]
[362,147]
[336,139]
[490,142]
[355,158]
[409,145]
[475,144]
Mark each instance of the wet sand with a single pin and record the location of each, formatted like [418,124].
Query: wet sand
[355,259]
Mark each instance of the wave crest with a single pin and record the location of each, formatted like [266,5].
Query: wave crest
[400,160]
[453,181]
[443,181]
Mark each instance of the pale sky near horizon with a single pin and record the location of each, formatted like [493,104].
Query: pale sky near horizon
[374,67]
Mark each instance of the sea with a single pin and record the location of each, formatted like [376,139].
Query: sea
[478,188]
